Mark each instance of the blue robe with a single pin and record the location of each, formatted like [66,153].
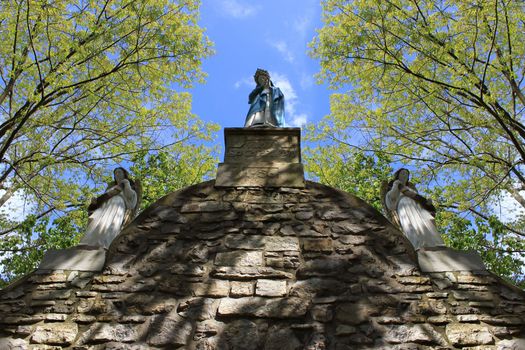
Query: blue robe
[258,99]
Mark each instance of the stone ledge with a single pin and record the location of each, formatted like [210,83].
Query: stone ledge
[447,259]
[76,258]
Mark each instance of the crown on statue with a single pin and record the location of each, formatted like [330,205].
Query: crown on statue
[260,72]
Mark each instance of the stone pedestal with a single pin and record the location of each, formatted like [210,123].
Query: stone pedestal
[261,157]
[76,258]
[445,259]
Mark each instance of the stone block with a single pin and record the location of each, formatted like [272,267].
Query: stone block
[464,334]
[247,273]
[269,243]
[198,308]
[239,258]
[13,344]
[55,333]
[76,258]
[271,175]
[257,157]
[446,259]
[107,332]
[51,294]
[317,245]
[262,145]
[213,288]
[241,289]
[280,244]
[511,344]
[270,288]
[420,333]
[264,307]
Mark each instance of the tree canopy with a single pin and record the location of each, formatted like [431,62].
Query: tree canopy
[437,86]
[85,85]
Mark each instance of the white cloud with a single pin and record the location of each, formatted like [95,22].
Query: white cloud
[237,9]
[299,120]
[307,81]
[247,81]
[302,24]
[283,49]
[507,208]
[291,100]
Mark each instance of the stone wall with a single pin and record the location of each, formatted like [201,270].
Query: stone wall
[250,268]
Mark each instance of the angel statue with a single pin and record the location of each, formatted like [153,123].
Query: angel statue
[112,210]
[266,103]
[411,211]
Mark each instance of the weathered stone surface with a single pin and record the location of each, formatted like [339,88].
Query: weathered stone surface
[468,334]
[413,333]
[352,240]
[204,207]
[244,273]
[55,333]
[193,270]
[281,339]
[267,157]
[13,344]
[52,277]
[334,214]
[325,267]
[241,289]
[198,308]
[51,295]
[511,344]
[108,332]
[208,328]
[268,243]
[322,313]
[270,288]
[343,330]
[356,313]
[262,307]
[214,288]
[317,245]
[318,287]
[239,258]
[259,268]
[125,346]
[241,334]
[259,175]
[472,295]
[166,330]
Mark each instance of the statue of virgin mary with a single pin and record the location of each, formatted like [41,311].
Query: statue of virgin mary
[266,103]
[414,213]
[112,210]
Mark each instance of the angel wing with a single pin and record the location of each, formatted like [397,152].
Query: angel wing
[131,214]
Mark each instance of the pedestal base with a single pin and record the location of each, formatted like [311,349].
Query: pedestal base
[261,157]
[77,258]
[446,259]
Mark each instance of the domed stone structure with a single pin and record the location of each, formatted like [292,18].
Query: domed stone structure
[251,266]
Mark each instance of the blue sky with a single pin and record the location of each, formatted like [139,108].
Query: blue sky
[272,35]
